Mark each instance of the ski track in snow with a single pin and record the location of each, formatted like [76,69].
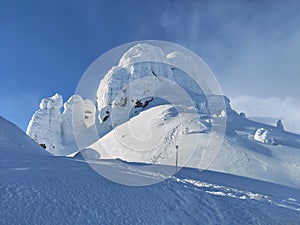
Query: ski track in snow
[220,190]
[67,191]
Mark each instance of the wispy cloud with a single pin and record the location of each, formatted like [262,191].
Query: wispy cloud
[252,46]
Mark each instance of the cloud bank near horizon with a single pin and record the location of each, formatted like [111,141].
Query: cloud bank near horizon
[269,110]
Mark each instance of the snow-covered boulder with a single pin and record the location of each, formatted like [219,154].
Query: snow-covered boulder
[264,136]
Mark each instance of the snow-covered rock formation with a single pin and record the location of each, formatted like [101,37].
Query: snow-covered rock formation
[53,129]
[145,76]
[264,136]
[132,110]
[45,125]
[142,79]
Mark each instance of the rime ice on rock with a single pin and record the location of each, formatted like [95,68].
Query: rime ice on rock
[45,125]
[262,135]
[54,130]
[143,72]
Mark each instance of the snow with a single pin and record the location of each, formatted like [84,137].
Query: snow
[142,79]
[58,190]
[135,118]
[54,128]
[44,126]
[122,149]
[151,137]
[142,52]
[39,189]
[262,135]
[15,144]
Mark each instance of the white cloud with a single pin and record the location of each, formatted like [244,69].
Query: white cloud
[287,109]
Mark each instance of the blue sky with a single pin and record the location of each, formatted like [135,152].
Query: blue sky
[252,46]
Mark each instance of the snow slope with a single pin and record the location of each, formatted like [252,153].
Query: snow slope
[36,188]
[67,191]
[15,144]
[151,137]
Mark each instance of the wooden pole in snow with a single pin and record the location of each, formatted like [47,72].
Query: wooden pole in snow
[176,158]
